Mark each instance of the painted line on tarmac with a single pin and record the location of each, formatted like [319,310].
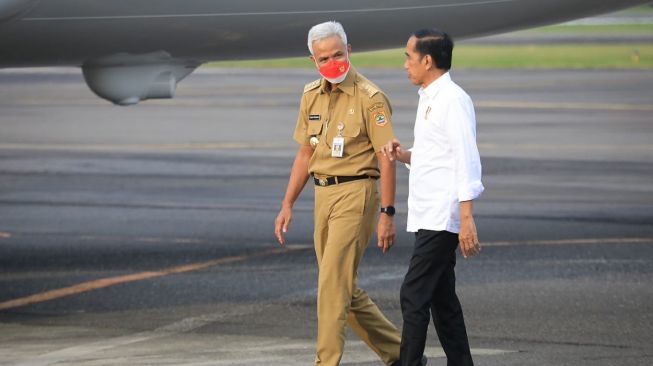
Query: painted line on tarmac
[570,147]
[269,146]
[570,242]
[111,281]
[142,147]
[71,353]
[238,350]
[567,105]
[439,352]
[356,352]
[182,326]
[362,353]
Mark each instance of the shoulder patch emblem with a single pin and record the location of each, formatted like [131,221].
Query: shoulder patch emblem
[379,118]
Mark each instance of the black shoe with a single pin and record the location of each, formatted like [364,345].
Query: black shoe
[423,363]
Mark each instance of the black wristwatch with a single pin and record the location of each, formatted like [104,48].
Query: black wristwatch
[390,210]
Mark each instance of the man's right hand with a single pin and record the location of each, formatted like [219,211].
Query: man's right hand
[393,150]
[298,177]
[282,222]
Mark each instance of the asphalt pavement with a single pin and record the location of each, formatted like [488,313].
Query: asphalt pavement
[143,235]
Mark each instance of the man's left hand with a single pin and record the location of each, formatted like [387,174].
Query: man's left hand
[468,238]
[385,232]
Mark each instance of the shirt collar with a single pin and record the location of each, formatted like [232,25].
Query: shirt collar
[432,89]
[347,85]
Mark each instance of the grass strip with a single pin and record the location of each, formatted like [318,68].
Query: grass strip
[584,29]
[545,56]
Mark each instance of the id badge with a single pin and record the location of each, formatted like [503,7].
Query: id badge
[338,147]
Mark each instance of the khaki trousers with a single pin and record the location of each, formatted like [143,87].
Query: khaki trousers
[344,218]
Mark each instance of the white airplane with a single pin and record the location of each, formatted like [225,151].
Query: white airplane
[132,50]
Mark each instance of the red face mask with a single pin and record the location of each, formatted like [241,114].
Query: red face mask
[335,71]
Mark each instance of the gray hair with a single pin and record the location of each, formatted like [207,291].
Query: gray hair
[326,30]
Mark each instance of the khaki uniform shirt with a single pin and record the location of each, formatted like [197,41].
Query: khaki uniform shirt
[357,105]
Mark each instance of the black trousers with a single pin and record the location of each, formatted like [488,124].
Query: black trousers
[430,285]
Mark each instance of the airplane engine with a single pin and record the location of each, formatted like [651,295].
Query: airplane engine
[12,8]
[129,79]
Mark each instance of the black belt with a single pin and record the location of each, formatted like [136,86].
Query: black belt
[341,179]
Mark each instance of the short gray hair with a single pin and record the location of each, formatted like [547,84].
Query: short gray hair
[326,30]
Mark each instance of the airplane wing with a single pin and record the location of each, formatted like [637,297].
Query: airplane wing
[132,50]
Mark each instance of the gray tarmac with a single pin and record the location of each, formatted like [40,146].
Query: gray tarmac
[143,235]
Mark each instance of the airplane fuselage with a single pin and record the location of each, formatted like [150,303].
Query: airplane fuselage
[71,32]
[137,49]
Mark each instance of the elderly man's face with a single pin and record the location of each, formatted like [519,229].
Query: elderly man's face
[329,48]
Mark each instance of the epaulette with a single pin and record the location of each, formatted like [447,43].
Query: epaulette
[312,85]
[369,88]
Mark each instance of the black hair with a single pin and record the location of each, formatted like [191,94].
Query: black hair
[438,44]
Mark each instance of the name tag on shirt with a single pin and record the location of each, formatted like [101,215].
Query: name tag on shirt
[338,147]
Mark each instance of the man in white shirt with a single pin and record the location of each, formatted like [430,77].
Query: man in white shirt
[445,178]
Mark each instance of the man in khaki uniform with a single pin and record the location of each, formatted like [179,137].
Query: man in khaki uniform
[344,121]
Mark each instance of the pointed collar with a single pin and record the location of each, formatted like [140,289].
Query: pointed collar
[432,89]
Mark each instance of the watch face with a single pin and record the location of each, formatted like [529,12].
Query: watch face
[390,210]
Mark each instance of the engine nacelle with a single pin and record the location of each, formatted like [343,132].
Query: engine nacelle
[12,8]
[128,79]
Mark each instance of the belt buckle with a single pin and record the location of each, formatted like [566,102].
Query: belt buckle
[323,182]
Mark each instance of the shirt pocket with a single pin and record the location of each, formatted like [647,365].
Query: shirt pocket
[352,135]
[314,128]
[351,130]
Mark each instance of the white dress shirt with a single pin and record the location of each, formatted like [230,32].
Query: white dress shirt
[445,165]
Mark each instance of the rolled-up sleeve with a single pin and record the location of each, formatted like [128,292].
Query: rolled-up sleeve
[462,136]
